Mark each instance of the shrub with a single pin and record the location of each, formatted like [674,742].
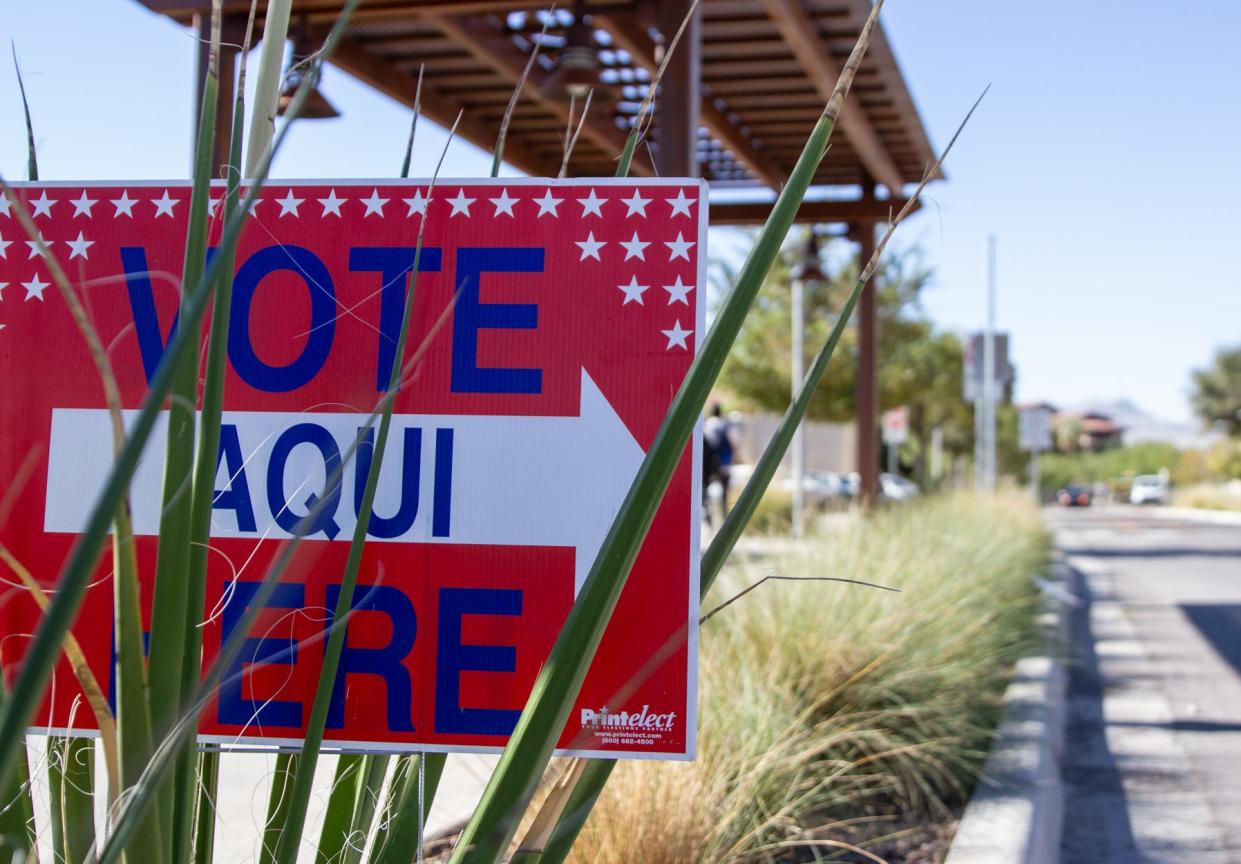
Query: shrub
[825,705]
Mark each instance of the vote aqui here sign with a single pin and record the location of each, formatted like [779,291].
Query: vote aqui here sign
[553,323]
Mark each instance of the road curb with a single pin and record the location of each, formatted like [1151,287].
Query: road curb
[1014,816]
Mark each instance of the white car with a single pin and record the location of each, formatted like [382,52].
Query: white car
[897,488]
[1148,489]
[820,487]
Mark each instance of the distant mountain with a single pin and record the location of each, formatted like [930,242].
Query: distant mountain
[1141,426]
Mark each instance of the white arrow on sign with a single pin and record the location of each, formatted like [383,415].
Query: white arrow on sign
[511,480]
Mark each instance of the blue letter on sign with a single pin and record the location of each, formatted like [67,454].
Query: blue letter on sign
[472,315]
[318,282]
[236,496]
[151,342]
[393,263]
[234,709]
[301,523]
[384,662]
[453,658]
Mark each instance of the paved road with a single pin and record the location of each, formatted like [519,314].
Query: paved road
[1153,753]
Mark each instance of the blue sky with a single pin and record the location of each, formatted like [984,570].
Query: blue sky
[1104,159]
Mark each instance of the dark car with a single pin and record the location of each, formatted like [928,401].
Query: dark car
[1074,496]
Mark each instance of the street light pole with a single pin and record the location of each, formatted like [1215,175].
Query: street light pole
[807,271]
[797,373]
[989,395]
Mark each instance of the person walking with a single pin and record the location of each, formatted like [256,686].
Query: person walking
[717,459]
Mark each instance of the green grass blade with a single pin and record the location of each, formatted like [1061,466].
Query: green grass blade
[16,806]
[78,565]
[597,772]
[71,797]
[392,800]
[188,787]
[742,511]
[413,125]
[171,628]
[204,481]
[498,157]
[56,746]
[32,156]
[133,715]
[279,801]
[516,778]
[739,517]
[405,818]
[267,91]
[337,828]
[581,801]
[375,768]
[313,736]
[208,776]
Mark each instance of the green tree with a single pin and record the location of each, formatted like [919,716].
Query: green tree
[1217,391]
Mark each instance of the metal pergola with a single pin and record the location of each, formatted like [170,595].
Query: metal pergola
[740,94]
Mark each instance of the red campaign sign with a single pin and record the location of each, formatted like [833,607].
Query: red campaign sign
[553,323]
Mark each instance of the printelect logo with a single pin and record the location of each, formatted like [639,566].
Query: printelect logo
[644,719]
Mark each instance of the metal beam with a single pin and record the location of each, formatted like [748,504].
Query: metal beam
[798,29]
[366,67]
[631,36]
[871,210]
[496,50]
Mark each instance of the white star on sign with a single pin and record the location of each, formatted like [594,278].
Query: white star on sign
[289,204]
[213,205]
[460,204]
[636,204]
[42,205]
[4,246]
[590,247]
[548,204]
[81,207]
[679,248]
[417,204]
[374,205]
[5,204]
[504,204]
[36,246]
[124,205]
[331,204]
[634,247]
[3,285]
[676,336]
[79,247]
[681,204]
[34,288]
[679,292]
[592,204]
[633,291]
[164,205]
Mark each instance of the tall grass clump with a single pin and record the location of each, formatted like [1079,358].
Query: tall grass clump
[829,707]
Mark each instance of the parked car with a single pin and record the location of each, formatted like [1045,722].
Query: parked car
[1074,496]
[1149,489]
[821,488]
[851,483]
[897,488]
